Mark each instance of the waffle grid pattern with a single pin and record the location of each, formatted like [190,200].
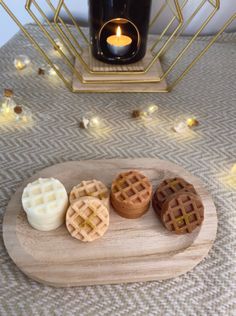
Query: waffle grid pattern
[171,186]
[183,213]
[87,220]
[42,195]
[92,188]
[131,187]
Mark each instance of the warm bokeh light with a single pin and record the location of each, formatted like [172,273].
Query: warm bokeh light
[180,125]
[228,178]
[147,112]
[11,117]
[95,122]
[21,62]
[152,108]
[192,121]
[52,71]
[233,169]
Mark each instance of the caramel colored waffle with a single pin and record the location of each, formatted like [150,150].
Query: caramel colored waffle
[171,186]
[182,212]
[130,194]
[131,213]
[87,219]
[92,188]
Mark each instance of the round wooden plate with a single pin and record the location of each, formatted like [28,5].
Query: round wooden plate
[130,251]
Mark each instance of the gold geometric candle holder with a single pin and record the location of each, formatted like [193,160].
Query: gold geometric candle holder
[161,69]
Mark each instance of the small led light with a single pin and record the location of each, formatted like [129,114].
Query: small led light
[7,105]
[184,123]
[95,122]
[146,112]
[22,115]
[152,108]
[59,44]
[192,121]
[181,125]
[21,62]
[7,110]
[92,121]
[12,111]
[52,72]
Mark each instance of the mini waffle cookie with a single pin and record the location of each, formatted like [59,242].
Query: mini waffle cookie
[182,212]
[87,219]
[130,194]
[92,188]
[132,213]
[171,186]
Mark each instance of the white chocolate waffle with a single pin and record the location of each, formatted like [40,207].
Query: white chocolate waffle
[45,202]
[87,219]
[92,188]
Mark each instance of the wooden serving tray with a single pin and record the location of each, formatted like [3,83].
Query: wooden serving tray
[130,251]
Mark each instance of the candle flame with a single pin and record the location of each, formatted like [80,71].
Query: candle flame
[118,31]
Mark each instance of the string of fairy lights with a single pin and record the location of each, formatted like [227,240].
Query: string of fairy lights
[13,110]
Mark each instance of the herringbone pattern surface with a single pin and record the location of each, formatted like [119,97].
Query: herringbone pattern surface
[209,92]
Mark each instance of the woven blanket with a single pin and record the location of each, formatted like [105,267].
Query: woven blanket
[209,93]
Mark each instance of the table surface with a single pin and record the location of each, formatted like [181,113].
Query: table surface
[209,152]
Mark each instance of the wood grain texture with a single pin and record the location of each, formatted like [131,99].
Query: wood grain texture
[102,83]
[97,65]
[153,75]
[130,251]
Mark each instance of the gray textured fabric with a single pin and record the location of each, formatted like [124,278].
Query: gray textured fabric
[209,93]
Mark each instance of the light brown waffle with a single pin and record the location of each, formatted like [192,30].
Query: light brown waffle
[87,219]
[171,186]
[182,212]
[92,188]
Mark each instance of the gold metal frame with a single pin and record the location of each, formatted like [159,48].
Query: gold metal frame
[28,8]
[65,39]
[75,48]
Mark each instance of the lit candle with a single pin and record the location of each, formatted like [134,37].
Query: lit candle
[119,44]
